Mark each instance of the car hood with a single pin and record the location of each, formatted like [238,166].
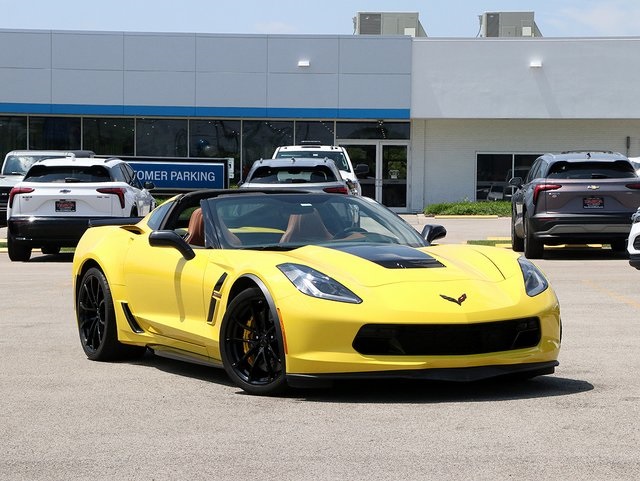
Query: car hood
[380,264]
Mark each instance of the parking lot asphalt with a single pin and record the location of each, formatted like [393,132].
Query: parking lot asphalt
[66,418]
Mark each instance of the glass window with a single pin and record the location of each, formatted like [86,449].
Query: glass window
[13,133]
[292,175]
[373,130]
[161,137]
[321,131]
[158,215]
[54,133]
[68,174]
[261,137]
[494,172]
[109,136]
[591,170]
[216,139]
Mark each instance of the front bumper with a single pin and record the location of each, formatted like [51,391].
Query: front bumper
[570,228]
[40,231]
[323,344]
[461,374]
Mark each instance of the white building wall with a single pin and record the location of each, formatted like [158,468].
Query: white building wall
[444,151]
[586,78]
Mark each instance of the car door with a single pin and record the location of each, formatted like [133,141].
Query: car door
[172,296]
[143,200]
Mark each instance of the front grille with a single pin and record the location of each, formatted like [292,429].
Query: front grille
[447,339]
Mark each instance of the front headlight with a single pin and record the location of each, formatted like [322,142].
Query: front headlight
[534,280]
[316,284]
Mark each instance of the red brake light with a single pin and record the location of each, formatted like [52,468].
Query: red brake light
[18,190]
[336,190]
[542,187]
[119,191]
[633,186]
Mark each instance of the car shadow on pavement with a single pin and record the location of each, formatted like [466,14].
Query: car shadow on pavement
[583,254]
[183,368]
[66,257]
[433,392]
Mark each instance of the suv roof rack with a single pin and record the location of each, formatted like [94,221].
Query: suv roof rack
[589,151]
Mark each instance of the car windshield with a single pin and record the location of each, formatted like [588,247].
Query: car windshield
[337,157]
[67,174]
[292,175]
[287,221]
[591,170]
[19,164]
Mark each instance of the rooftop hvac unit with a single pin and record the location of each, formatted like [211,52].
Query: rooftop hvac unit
[388,23]
[508,24]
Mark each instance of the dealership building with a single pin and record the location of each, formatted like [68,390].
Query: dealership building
[435,119]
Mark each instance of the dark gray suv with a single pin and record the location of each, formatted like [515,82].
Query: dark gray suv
[574,197]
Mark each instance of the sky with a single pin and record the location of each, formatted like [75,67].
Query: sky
[439,18]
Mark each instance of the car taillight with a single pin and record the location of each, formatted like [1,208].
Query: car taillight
[633,186]
[18,190]
[336,190]
[119,191]
[542,187]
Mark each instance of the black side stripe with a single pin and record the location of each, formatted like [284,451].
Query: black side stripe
[131,320]
[215,295]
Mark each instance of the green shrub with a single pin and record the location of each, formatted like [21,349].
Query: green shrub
[500,208]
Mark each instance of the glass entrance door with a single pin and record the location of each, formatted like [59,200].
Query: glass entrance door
[386,180]
[394,175]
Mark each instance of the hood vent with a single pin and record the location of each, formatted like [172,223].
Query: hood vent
[391,256]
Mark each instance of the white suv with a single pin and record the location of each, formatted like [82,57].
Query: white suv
[339,156]
[17,162]
[52,206]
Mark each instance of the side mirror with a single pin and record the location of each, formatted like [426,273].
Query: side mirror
[168,238]
[516,182]
[149,185]
[361,169]
[432,232]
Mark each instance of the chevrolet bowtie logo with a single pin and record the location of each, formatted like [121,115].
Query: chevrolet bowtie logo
[458,301]
[593,187]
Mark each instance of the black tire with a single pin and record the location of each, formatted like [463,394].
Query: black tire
[97,320]
[251,345]
[517,243]
[50,250]
[533,248]
[18,251]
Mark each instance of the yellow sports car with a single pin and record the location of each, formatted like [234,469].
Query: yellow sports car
[287,288]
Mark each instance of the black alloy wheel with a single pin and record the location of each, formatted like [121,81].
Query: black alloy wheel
[97,320]
[251,345]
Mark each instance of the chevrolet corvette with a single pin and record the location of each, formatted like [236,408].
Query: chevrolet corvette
[290,289]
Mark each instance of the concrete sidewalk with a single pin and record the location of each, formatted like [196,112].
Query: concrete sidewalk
[461,229]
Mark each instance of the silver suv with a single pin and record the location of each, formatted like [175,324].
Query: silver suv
[339,155]
[309,174]
[574,197]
